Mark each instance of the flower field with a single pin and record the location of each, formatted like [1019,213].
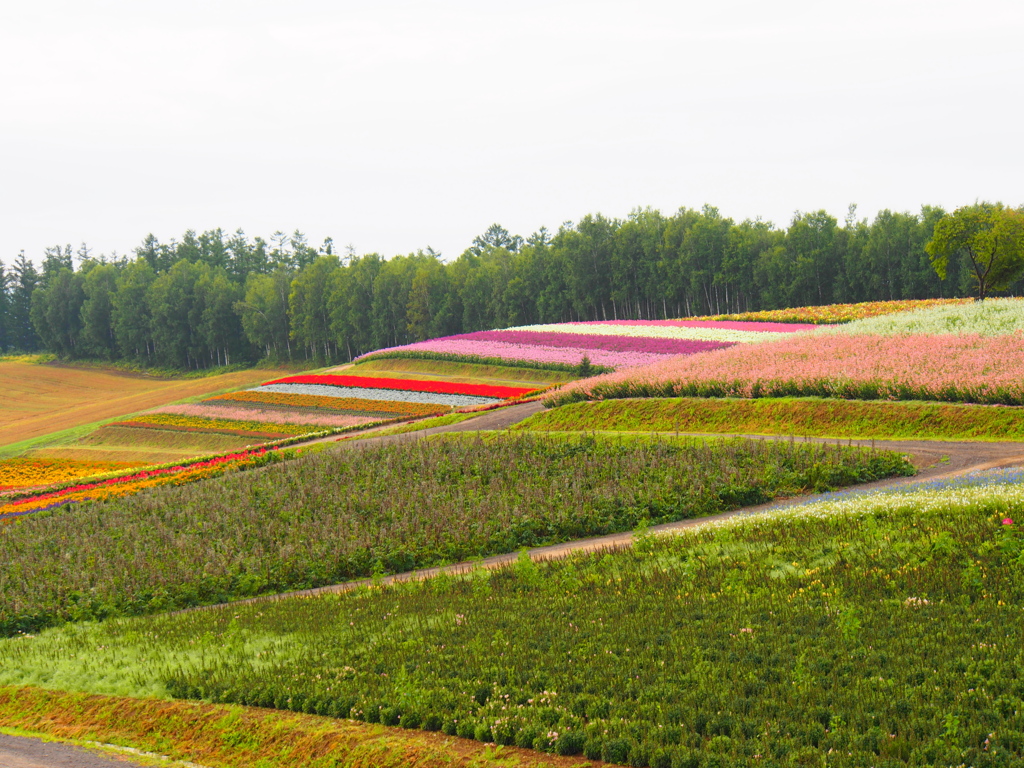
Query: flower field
[326,517]
[992,317]
[954,368]
[839,313]
[375,390]
[877,631]
[127,484]
[26,471]
[251,399]
[605,344]
[202,416]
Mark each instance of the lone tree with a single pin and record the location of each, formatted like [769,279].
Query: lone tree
[990,235]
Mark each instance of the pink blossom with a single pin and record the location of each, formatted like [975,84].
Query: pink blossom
[961,368]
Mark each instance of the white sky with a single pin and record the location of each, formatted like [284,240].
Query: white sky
[396,125]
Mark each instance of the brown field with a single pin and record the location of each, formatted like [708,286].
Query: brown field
[139,455]
[36,400]
[130,438]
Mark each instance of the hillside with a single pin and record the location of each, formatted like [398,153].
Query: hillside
[790,634]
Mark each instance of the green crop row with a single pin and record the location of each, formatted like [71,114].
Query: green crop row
[332,516]
[811,416]
[888,636]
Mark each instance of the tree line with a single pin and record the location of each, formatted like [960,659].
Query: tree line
[217,299]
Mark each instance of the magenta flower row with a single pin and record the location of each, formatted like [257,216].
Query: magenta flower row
[534,353]
[594,342]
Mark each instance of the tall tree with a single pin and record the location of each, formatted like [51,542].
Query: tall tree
[4,311]
[990,236]
[131,311]
[309,307]
[21,334]
[56,312]
[99,286]
[264,312]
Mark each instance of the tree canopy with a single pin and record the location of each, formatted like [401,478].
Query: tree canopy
[211,298]
[990,236]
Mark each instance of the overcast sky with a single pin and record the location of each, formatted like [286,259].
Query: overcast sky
[395,125]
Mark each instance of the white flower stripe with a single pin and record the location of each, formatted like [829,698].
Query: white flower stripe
[656,332]
[365,393]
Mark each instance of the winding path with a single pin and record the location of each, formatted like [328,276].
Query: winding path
[934,459]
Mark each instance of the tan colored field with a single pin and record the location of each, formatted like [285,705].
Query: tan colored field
[127,438]
[36,400]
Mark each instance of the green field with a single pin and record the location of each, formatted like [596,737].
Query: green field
[337,515]
[809,416]
[883,634]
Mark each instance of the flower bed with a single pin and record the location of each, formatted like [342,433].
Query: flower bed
[26,471]
[251,398]
[605,344]
[971,369]
[269,420]
[838,313]
[123,485]
[408,385]
[992,317]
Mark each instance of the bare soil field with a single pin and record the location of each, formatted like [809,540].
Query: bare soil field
[36,400]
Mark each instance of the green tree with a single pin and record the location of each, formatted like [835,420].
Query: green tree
[264,312]
[991,238]
[99,286]
[130,311]
[56,312]
[309,307]
[173,320]
[21,335]
[4,301]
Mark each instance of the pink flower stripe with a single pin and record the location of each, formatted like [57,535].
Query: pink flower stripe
[267,415]
[408,385]
[582,341]
[967,368]
[530,353]
[732,325]
[135,477]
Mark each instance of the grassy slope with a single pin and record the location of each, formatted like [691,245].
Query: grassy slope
[815,417]
[837,629]
[223,736]
[331,516]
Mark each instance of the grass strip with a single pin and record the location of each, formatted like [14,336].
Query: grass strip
[804,416]
[223,736]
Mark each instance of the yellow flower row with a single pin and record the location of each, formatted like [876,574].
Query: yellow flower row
[836,313]
[26,471]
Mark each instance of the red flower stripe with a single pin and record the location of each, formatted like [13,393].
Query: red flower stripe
[408,385]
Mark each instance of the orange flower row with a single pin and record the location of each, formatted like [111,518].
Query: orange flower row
[333,403]
[27,471]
